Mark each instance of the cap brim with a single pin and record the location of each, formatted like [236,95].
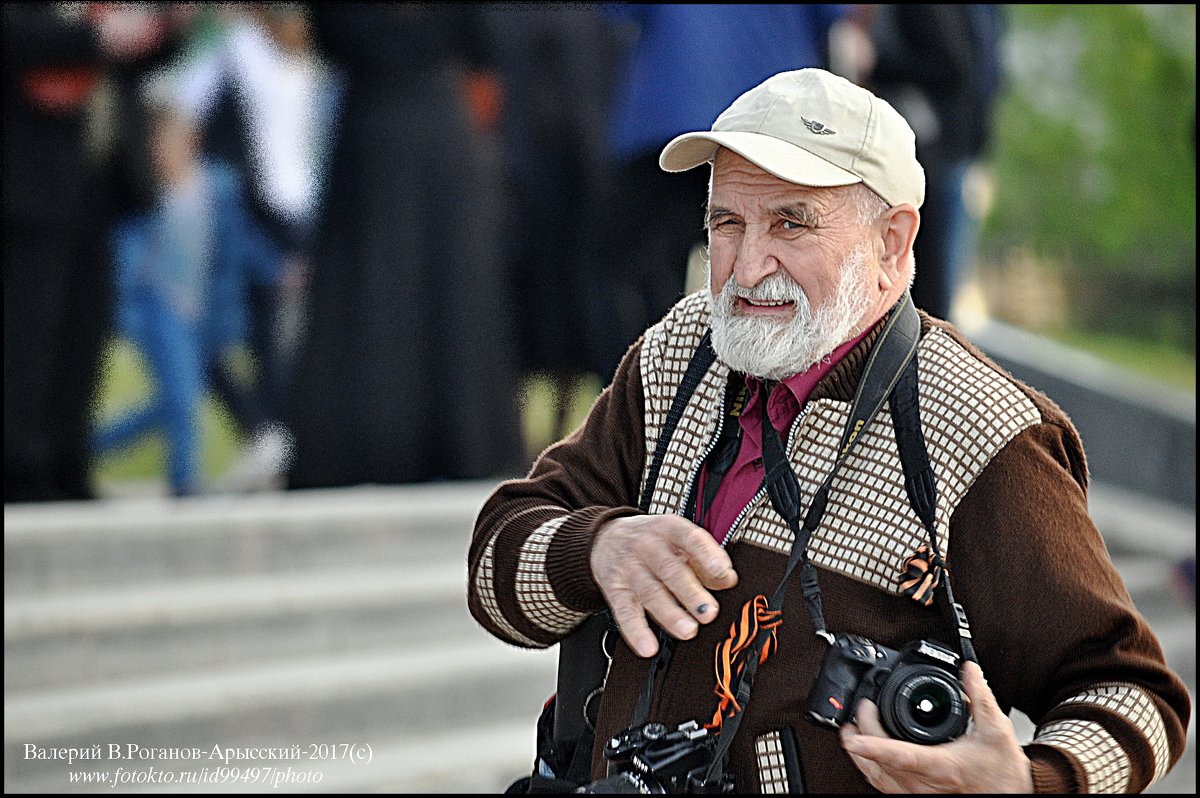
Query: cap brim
[781,158]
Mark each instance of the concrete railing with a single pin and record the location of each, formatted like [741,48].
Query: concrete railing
[1138,434]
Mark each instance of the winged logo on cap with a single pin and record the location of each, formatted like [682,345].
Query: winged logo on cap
[818,127]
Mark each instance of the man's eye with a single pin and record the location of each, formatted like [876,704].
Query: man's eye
[792,224]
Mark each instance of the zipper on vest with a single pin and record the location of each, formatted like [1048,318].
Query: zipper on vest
[691,483]
[762,490]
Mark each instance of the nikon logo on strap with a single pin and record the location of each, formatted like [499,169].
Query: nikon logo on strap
[858,425]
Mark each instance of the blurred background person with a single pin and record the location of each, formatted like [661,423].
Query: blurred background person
[59,195]
[555,63]
[265,104]
[939,66]
[684,64]
[406,369]
[182,274]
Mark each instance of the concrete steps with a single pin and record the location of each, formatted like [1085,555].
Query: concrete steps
[72,545]
[101,633]
[270,621]
[439,690]
[323,617]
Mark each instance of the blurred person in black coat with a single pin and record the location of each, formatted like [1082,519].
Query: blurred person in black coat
[406,369]
[58,201]
[939,65]
[556,63]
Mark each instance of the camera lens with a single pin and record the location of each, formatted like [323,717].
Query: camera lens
[930,706]
[923,704]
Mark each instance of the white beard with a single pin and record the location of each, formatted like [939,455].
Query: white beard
[775,349]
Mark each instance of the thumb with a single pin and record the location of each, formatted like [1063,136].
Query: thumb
[984,708]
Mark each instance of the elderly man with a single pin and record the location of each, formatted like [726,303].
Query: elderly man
[700,488]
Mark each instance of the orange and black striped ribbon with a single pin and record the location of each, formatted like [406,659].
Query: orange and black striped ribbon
[730,655]
[922,574]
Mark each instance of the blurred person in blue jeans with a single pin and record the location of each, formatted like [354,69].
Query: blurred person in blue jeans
[406,368]
[265,102]
[183,269]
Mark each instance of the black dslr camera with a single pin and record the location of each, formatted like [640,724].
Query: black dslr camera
[917,689]
[653,759]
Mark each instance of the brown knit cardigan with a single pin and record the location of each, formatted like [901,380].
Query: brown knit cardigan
[1055,630]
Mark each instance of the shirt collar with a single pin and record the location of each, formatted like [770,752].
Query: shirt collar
[801,384]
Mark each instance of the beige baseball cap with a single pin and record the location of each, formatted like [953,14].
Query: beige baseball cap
[813,128]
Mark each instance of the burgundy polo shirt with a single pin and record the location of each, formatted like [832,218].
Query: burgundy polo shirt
[745,477]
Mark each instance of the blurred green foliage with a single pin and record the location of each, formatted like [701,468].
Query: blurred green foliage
[1094,162]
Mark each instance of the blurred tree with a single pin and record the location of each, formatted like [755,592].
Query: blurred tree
[1095,161]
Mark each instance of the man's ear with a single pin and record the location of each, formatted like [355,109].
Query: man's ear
[900,230]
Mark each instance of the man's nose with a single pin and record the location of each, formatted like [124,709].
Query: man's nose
[755,260]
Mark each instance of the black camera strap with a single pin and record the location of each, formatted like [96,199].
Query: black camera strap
[723,455]
[921,486]
[892,352]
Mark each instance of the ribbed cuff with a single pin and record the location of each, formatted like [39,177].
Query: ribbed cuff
[568,562]
[1053,770]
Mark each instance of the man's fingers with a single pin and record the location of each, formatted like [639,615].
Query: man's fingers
[674,585]
[868,739]
[659,566]
[717,573]
[643,592]
[867,717]
[685,568]
[892,755]
[709,561]
[663,607]
[877,776]
[631,620]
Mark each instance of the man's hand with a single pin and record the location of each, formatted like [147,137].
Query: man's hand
[987,759]
[663,565]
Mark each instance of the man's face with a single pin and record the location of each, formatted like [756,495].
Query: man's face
[793,273]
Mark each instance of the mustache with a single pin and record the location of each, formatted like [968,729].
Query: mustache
[777,287]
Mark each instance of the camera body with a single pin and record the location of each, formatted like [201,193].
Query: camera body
[654,759]
[916,688]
